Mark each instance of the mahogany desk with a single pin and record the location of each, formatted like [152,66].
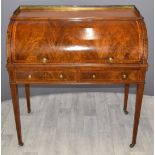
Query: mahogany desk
[77,45]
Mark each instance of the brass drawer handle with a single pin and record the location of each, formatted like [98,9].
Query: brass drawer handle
[61,76]
[44,60]
[124,76]
[94,76]
[110,60]
[29,76]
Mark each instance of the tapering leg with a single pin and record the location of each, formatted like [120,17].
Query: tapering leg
[126,93]
[14,93]
[139,96]
[27,92]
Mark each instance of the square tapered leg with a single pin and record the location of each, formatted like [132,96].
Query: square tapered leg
[27,93]
[14,94]
[139,96]
[126,93]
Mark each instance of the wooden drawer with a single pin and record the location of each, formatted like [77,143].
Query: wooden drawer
[40,76]
[109,76]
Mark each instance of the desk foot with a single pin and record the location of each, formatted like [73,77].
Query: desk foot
[21,144]
[125,112]
[132,145]
[29,111]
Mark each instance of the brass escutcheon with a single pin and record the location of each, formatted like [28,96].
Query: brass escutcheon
[61,76]
[110,60]
[44,60]
[94,76]
[29,76]
[124,76]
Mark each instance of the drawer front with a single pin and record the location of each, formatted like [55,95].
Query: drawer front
[39,76]
[109,76]
[74,42]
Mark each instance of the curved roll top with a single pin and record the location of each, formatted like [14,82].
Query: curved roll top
[77,41]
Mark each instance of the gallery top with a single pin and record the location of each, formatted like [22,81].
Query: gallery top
[77,12]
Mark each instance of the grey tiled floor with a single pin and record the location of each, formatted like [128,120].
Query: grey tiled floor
[78,124]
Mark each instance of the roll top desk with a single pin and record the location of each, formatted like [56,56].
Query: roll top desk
[77,45]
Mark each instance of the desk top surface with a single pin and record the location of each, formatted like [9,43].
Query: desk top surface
[76,12]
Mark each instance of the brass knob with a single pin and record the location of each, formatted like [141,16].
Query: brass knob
[124,76]
[110,60]
[29,76]
[94,76]
[61,76]
[44,60]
